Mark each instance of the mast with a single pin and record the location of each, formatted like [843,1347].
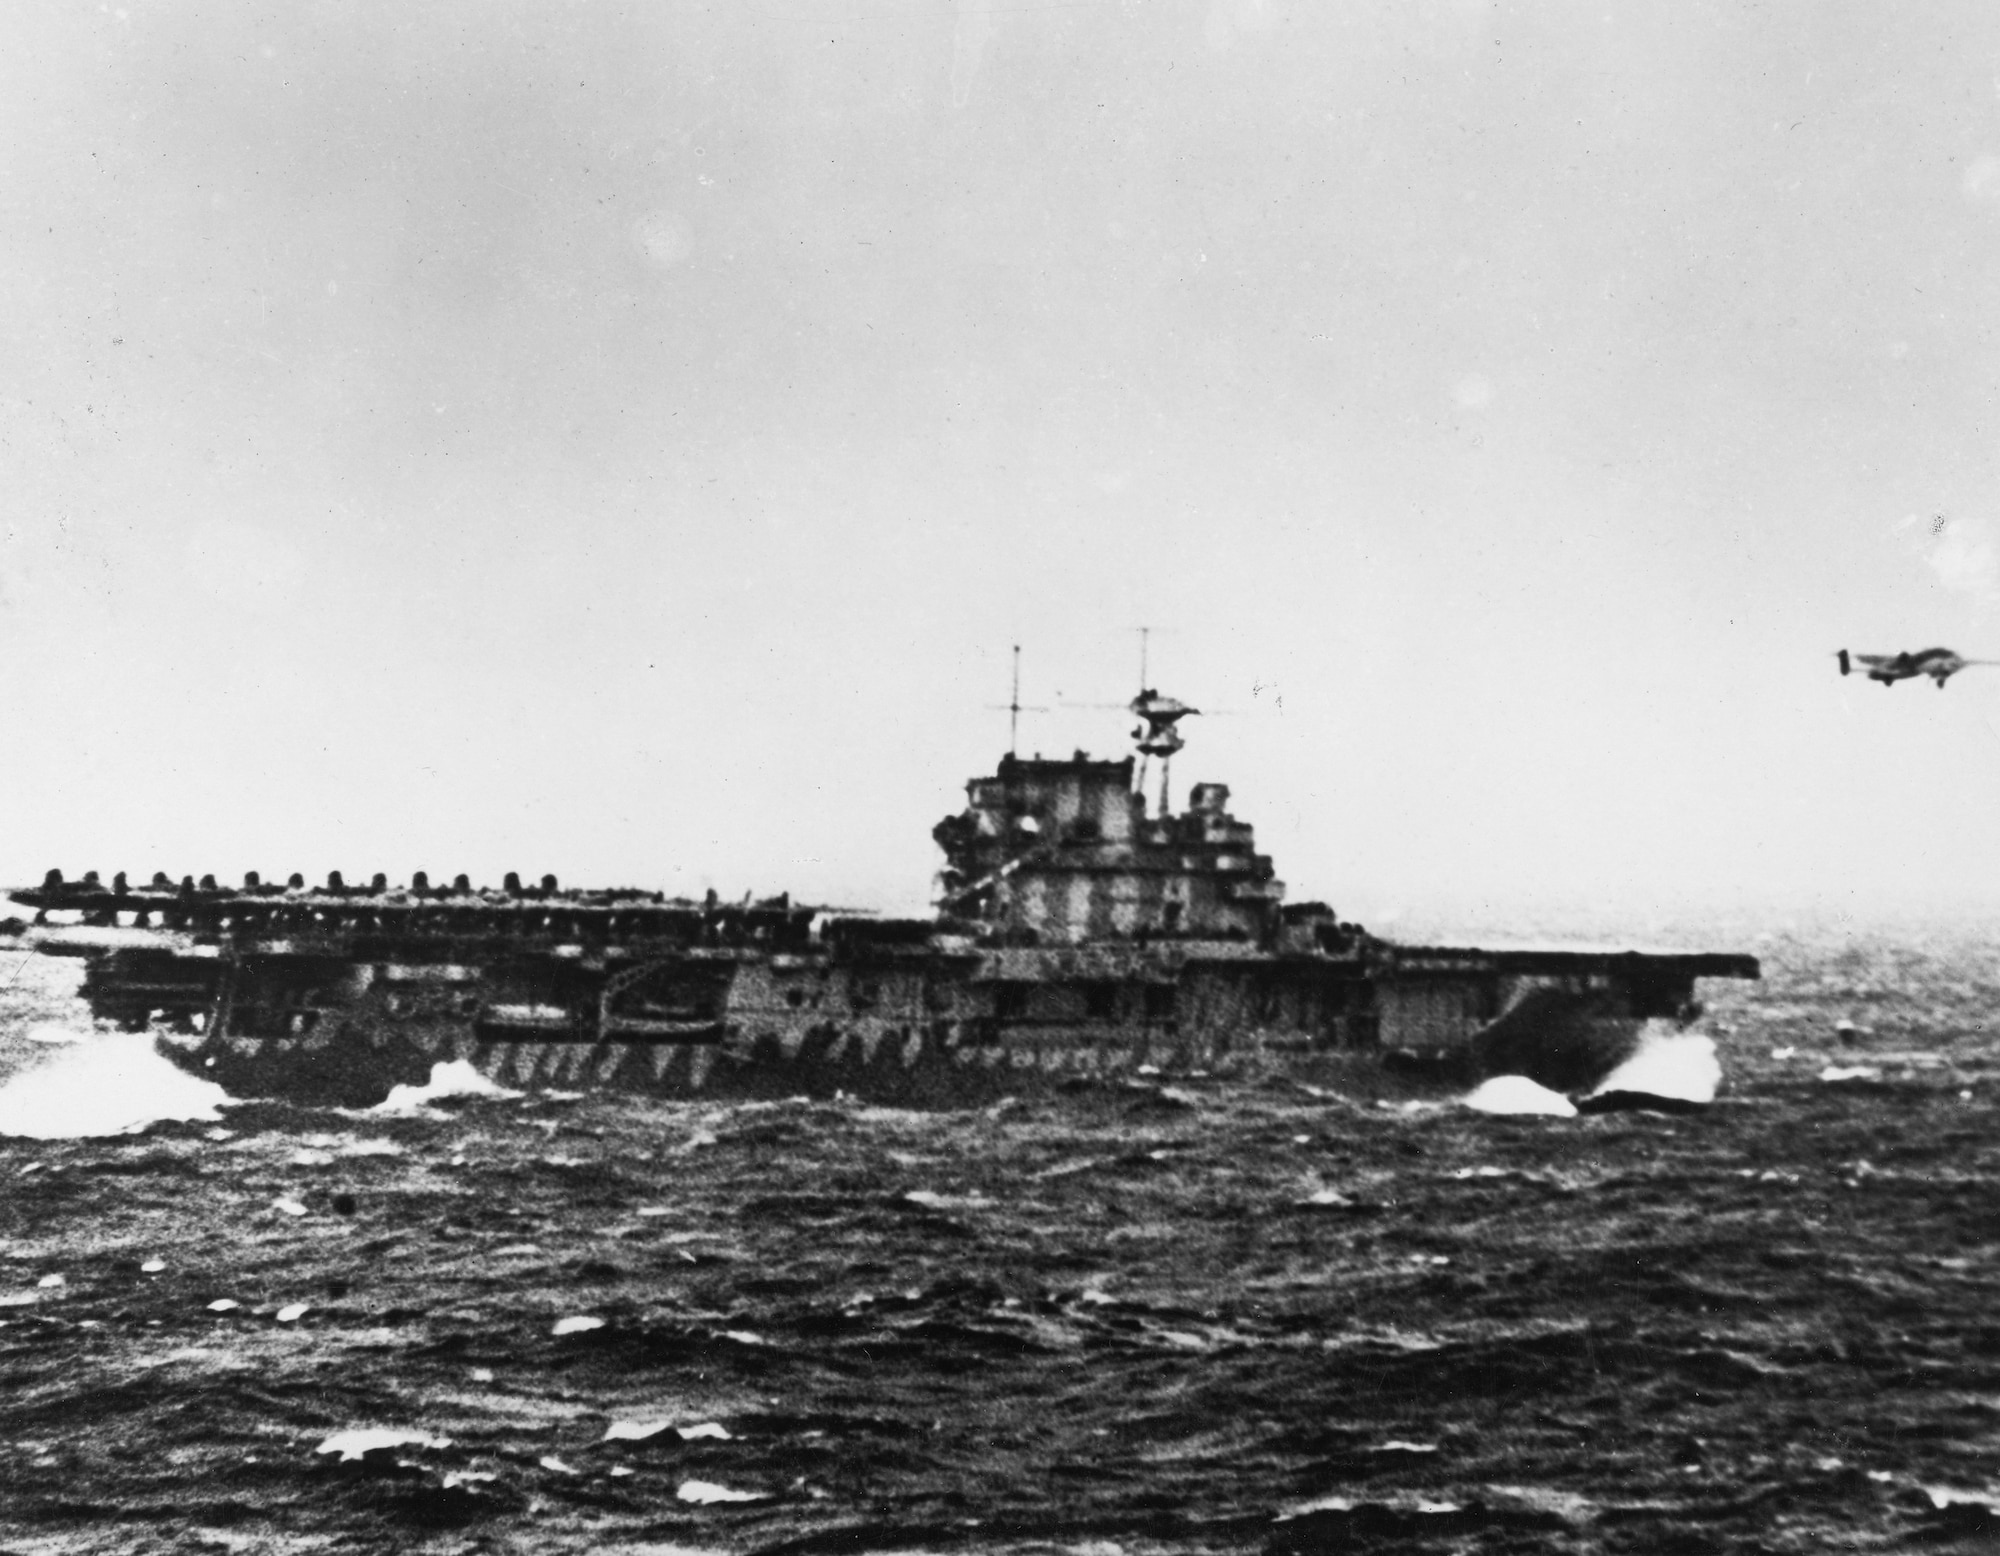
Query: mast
[1139,779]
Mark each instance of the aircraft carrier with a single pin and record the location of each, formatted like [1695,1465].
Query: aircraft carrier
[1080,931]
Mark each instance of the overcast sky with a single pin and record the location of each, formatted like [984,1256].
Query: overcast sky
[625,441]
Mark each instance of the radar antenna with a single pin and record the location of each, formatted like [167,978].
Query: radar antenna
[1157,736]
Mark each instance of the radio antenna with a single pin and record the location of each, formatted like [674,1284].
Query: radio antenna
[1014,707]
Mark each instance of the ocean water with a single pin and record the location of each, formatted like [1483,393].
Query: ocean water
[1189,1315]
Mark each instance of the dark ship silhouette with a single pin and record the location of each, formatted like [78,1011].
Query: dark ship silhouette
[1079,933]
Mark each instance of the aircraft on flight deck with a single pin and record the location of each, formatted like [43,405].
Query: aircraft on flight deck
[1940,664]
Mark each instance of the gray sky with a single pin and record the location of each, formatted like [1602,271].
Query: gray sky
[625,441]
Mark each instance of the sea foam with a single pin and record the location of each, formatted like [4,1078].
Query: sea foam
[103,1085]
[1518,1094]
[452,1078]
[1681,1068]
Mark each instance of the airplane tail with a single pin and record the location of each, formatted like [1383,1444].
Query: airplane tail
[1845,667]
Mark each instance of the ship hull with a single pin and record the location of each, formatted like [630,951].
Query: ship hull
[918,1030]
[352,1051]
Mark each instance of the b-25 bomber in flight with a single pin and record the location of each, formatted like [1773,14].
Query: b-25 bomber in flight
[1940,664]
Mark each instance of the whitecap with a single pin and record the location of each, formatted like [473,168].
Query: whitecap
[930,1199]
[1945,1497]
[1518,1094]
[582,1324]
[358,1441]
[1850,1072]
[633,1431]
[1402,1503]
[707,1491]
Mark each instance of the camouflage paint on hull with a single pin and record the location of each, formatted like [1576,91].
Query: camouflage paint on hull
[918,1066]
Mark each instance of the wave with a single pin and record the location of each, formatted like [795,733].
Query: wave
[1682,1067]
[103,1085]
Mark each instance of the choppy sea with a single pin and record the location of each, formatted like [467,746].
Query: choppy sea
[1190,1314]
